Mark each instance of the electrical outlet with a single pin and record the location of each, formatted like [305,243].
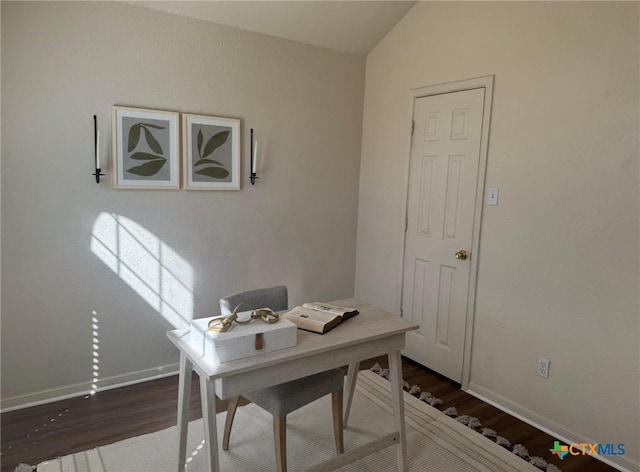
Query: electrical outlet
[543,367]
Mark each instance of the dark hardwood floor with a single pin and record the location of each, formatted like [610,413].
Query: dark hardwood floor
[35,434]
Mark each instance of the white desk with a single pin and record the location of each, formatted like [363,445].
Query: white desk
[374,332]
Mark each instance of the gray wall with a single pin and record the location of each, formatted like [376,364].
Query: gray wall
[179,251]
[558,265]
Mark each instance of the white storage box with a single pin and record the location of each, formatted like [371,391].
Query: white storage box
[242,340]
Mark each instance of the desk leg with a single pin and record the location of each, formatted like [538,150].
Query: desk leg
[208,397]
[352,377]
[395,369]
[184,397]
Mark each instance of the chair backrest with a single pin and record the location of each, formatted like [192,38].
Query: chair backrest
[272,297]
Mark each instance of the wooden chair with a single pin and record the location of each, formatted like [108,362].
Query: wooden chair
[280,400]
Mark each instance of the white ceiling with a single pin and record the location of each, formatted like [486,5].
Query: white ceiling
[349,26]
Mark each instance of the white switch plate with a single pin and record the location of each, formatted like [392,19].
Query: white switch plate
[492,196]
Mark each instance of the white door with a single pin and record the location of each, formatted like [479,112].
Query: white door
[443,175]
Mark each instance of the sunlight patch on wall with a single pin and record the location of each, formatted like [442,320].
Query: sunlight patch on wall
[150,267]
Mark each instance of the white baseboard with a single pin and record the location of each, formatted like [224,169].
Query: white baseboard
[55,394]
[620,463]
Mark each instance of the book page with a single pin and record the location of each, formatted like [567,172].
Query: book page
[312,320]
[332,309]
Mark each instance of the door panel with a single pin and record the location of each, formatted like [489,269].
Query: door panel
[443,175]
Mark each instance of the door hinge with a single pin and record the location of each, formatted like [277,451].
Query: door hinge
[413,127]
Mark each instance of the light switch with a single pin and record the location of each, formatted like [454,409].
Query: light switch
[492,196]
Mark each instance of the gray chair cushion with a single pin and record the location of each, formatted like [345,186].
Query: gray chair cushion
[272,297]
[282,399]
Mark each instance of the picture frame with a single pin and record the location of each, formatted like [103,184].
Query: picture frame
[146,148]
[211,152]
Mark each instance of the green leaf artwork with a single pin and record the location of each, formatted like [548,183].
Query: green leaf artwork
[207,161]
[155,162]
[213,143]
[144,156]
[148,168]
[153,143]
[134,137]
[200,138]
[215,172]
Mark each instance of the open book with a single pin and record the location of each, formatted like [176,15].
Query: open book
[319,317]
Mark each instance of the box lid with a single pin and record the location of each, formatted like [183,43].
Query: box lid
[240,332]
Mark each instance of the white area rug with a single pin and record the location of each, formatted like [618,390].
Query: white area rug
[435,442]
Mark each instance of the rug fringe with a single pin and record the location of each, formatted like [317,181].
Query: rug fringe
[24,468]
[452,411]
[471,422]
[488,432]
[521,451]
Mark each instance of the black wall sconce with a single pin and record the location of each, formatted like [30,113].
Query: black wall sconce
[96,149]
[254,160]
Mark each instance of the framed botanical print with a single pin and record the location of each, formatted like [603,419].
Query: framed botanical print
[211,152]
[145,149]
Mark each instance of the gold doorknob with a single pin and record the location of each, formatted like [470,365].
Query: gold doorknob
[462,254]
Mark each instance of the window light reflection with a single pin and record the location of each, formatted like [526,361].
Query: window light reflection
[145,263]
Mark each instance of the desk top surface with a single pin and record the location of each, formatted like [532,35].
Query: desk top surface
[370,324]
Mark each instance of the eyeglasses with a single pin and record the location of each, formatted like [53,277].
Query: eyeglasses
[222,324]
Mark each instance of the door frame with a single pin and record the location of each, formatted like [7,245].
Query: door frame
[485,82]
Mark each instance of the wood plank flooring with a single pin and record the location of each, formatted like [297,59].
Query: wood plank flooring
[35,434]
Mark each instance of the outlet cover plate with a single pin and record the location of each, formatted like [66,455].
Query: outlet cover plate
[543,367]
